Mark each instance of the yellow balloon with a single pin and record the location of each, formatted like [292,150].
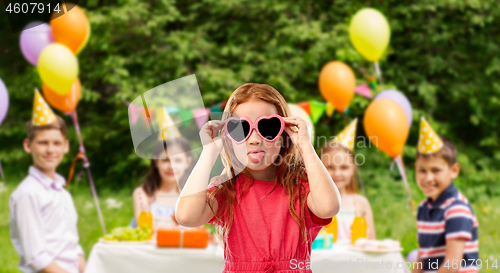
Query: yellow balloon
[370,33]
[58,68]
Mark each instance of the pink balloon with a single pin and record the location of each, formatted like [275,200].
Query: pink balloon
[34,39]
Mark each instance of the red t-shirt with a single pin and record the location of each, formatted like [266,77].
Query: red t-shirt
[264,237]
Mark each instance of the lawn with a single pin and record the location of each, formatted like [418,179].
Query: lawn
[386,194]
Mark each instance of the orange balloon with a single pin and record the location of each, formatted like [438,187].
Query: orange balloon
[72,28]
[337,83]
[386,125]
[66,103]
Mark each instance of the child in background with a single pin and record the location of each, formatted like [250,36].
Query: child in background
[42,214]
[446,224]
[171,163]
[164,181]
[277,193]
[339,159]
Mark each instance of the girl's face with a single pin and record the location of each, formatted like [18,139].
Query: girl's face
[256,153]
[174,165]
[340,166]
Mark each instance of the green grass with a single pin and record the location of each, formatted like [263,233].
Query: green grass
[385,192]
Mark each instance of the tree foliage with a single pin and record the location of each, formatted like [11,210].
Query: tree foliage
[443,55]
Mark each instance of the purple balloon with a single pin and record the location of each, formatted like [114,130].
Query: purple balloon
[412,256]
[34,39]
[400,99]
[4,101]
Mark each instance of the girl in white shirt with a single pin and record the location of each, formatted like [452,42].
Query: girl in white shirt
[165,180]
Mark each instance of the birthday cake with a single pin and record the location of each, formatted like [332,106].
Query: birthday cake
[377,245]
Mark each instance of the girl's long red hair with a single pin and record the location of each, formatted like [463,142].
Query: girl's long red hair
[288,172]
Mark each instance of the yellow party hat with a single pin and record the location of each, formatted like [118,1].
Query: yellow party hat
[42,114]
[167,126]
[346,137]
[428,141]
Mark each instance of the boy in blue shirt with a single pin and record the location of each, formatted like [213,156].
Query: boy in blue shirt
[446,224]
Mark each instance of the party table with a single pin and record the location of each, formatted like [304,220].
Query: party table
[125,258]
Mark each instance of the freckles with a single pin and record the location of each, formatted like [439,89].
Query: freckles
[272,146]
[240,151]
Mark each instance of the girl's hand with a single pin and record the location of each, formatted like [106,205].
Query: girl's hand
[302,137]
[208,135]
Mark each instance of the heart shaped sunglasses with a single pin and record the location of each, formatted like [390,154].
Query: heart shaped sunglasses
[268,127]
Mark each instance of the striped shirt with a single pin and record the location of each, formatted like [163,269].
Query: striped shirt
[449,217]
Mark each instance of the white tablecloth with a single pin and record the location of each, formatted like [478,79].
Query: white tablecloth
[147,258]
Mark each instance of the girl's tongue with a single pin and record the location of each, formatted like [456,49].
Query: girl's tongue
[256,156]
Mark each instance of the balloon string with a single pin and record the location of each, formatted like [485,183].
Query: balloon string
[392,165]
[399,163]
[1,171]
[78,132]
[72,169]
[377,70]
[86,165]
